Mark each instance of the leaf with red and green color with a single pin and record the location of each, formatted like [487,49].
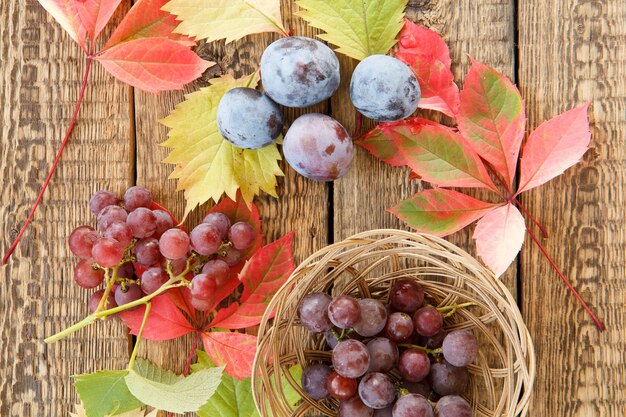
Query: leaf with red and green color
[95,14]
[499,237]
[235,351]
[153,64]
[427,54]
[492,118]
[440,212]
[165,320]
[66,14]
[146,20]
[435,152]
[554,146]
[263,275]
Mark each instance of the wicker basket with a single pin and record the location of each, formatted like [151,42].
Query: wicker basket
[365,265]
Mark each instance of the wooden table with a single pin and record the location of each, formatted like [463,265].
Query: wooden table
[560,53]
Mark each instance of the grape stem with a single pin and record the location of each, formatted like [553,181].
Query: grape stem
[451,309]
[422,348]
[139,336]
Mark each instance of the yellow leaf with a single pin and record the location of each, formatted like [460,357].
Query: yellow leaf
[140,412]
[226,19]
[358,28]
[207,166]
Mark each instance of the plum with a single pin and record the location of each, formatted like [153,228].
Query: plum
[318,147]
[384,89]
[299,71]
[248,118]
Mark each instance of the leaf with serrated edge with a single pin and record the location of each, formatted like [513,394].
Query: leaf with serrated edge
[139,412]
[358,28]
[233,350]
[554,146]
[165,320]
[440,212]
[492,118]
[65,13]
[105,392]
[499,236]
[166,391]
[226,19]
[95,14]
[207,165]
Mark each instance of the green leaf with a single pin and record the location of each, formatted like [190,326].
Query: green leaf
[105,393]
[358,28]
[162,389]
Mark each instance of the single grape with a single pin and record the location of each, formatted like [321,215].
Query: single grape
[152,279]
[344,311]
[203,287]
[147,251]
[377,390]
[384,89]
[318,147]
[101,199]
[136,197]
[120,232]
[406,295]
[231,256]
[427,321]
[94,301]
[351,358]
[314,380]
[421,388]
[164,222]
[178,265]
[414,365]
[399,327]
[81,241]
[110,215]
[460,347]
[220,221]
[383,354]
[299,71]
[200,304]
[217,269]
[452,406]
[331,338]
[446,379]
[242,235]
[174,244]
[205,239]
[432,342]
[313,312]
[107,252]
[354,407]
[126,270]
[142,222]
[373,317]
[412,405]
[131,293]
[340,387]
[248,118]
[86,276]
[384,412]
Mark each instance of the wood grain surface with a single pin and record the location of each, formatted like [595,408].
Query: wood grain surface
[561,53]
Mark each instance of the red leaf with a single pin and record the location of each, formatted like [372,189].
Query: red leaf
[234,350]
[95,14]
[554,146]
[263,275]
[492,118]
[499,237]
[165,320]
[440,212]
[66,14]
[147,20]
[435,152]
[225,290]
[181,297]
[153,64]
[427,54]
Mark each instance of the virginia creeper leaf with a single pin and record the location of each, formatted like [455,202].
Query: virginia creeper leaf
[66,14]
[358,28]
[499,237]
[226,19]
[435,152]
[440,212]
[492,118]
[165,320]
[427,54]
[95,14]
[554,146]
[105,393]
[235,351]
[146,20]
[169,392]
[153,64]
[207,166]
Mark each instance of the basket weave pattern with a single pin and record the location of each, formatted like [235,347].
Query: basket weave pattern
[365,266]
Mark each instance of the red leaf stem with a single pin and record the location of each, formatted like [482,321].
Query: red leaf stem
[192,352]
[70,128]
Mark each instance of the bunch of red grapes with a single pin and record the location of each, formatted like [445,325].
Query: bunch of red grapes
[137,250]
[393,360]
